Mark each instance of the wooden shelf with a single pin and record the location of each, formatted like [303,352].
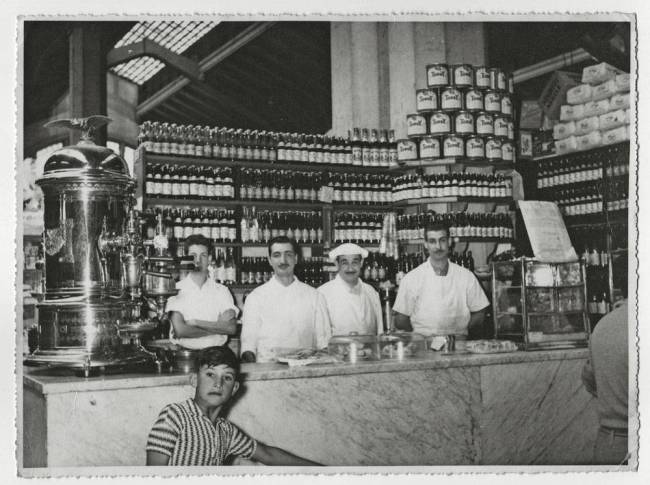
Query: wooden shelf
[462,240]
[273,204]
[262,164]
[338,206]
[444,200]
[583,152]
[252,245]
[442,162]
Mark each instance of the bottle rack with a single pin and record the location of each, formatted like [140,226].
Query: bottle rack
[611,166]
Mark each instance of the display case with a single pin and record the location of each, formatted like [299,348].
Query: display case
[540,305]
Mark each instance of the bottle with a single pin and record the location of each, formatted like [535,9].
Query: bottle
[231,268]
[392,149]
[366,156]
[357,151]
[220,267]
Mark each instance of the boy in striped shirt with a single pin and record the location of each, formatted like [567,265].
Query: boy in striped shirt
[191,433]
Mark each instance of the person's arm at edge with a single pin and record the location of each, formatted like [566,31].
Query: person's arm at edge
[270,455]
[183,330]
[250,327]
[476,319]
[402,322]
[225,324]
[155,458]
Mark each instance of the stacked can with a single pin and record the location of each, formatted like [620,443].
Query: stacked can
[466,112]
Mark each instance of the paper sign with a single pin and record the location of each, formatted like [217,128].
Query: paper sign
[548,236]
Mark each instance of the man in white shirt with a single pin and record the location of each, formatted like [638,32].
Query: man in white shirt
[203,313]
[352,304]
[283,313]
[439,297]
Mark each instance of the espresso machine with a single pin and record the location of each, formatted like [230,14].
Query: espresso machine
[99,273]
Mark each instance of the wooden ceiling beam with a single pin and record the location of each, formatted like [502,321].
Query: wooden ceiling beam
[211,93]
[206,64]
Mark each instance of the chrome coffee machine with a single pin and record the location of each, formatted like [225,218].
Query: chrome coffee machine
[95,261]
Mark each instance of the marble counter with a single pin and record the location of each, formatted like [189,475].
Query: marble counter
[499,409]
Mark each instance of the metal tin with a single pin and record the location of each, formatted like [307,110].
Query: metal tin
[493,148]
[506,105]
[464,123]
[492,101]
[482,77]
[508,151]
[494,77]
[501,126]
[450,343]
[416,124]
[474,100]
[475,147]
[430,147]
[502,81]
[439,123]
[484,124]
[451,99]
[511,130]
[407,150]
[426,100]
[437,75]
[453,146]
[462,75]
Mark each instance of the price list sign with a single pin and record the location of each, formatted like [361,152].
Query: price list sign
[547,233]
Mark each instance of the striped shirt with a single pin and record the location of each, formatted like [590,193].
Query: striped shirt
[189,438]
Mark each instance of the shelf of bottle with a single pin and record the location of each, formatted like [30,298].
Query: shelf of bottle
[274,204]
[238,244]
[443,162]
[591,151]
[596,220]
[468,239]
[444,200]
[262,164]
[362,244]
[346,206]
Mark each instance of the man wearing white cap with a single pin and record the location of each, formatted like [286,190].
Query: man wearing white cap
[353,305]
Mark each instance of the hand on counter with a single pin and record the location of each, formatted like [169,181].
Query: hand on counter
[270,455]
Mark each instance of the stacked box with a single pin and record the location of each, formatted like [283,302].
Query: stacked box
[597,111]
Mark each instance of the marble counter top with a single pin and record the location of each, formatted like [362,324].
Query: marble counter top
[44,384]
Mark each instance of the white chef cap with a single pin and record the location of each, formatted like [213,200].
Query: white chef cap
[347,248]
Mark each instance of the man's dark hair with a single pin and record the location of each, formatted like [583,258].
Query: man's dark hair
[213,356]
[198,239]
[283,240]
[436,226]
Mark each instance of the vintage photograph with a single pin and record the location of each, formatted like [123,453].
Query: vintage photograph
[404,242]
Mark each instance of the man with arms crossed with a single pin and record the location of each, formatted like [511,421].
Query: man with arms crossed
[439,297]
[203,313]
[283,313]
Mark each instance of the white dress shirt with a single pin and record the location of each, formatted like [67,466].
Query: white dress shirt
[352,309]
[440,305]
[284,317]
[204,302]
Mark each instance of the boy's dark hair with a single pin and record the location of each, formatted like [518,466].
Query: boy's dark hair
[283,240]
[213,356]
[436,226]
[198,239]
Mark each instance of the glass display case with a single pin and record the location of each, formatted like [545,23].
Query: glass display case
[540,305]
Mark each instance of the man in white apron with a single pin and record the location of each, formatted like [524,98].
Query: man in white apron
[352,304]
[284,314]
[439,297]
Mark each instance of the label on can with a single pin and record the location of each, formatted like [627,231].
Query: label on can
[450,99]
[492,102]
[484,124]
[493,149]
[453,146]
[507,151]
[426,100]
[474,100]
[437,75]
[416,124]
[406,150]
[475,147]
[463,75]
[439,123]
[464,123]
[430,147]
[482,77]
[506,104]
[500,126]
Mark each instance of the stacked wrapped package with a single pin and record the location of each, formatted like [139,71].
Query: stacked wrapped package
[597,111]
